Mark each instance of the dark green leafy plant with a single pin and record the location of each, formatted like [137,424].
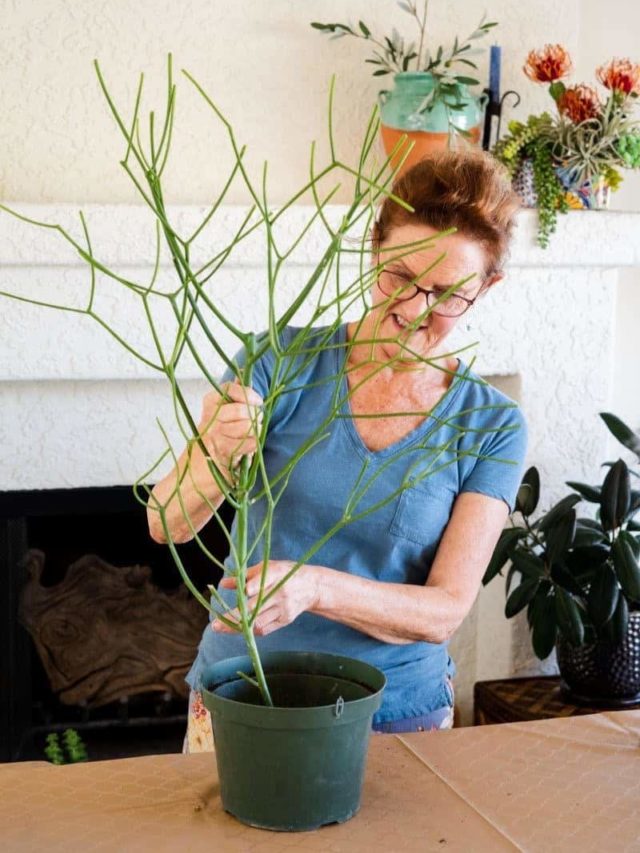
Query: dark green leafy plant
[578,576]
[71,751]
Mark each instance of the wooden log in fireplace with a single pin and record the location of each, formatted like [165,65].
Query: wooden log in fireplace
[108,632]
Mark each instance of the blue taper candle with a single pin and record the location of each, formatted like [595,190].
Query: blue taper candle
[494,72]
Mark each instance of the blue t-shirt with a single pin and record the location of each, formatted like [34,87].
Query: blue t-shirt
[474,440]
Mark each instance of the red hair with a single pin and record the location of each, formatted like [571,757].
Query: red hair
[466,190]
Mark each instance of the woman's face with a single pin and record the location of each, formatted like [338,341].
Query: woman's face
[389,315]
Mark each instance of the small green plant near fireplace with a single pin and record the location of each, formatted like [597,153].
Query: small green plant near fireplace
[71,750]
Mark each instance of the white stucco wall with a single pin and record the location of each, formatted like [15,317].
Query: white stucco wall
[259,59]
[597,46]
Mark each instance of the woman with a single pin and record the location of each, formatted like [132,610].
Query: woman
[393,587]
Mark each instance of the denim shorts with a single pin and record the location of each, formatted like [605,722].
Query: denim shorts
[439,718]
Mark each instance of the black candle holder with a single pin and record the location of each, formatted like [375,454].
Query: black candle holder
[494,109]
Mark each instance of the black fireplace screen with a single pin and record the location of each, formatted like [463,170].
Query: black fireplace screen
[96,629]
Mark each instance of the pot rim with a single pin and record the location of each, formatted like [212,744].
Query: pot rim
[278,660]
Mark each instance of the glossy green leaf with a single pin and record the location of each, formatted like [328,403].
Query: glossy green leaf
[507,540]
[544,626]
[616,628]
[566,580]
[616,496]
[626,565]
[589,493]
[587,536]
[568,616]
[586,556]
[364,29]
[603,595]
[556,512]
[532,608]
[529,492]
[559,537]
[622,432]
[520,597]
[528,564]
[590,523]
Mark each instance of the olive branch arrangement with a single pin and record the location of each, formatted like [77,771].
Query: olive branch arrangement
[393,55]
[195,310]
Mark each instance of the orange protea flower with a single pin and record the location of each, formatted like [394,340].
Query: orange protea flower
[579,103]
[549,64]
[620,75]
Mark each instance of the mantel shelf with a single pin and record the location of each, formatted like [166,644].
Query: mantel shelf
[124,234]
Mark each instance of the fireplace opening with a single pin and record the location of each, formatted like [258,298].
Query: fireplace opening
[97,629]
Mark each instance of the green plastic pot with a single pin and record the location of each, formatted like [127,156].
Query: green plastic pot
[298,765]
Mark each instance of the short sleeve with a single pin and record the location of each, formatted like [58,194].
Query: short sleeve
[501,458]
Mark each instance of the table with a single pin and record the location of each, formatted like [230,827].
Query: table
[513,700]
[549,786]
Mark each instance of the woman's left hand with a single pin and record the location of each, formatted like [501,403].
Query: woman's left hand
[298,594]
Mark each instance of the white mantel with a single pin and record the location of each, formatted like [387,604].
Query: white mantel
[77,410]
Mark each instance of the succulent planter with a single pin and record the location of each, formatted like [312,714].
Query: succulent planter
[594,194]
[298,765]
[603,672]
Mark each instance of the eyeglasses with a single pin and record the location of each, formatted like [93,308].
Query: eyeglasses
[401,288]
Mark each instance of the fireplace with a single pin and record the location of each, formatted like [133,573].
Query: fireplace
[69,677]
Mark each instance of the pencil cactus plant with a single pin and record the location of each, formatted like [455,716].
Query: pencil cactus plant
[324,298]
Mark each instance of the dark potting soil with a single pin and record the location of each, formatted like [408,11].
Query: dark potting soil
[293,690]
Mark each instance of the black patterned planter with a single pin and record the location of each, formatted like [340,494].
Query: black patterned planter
[603,672]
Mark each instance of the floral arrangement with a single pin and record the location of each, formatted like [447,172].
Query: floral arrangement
[574,156]
[393,55]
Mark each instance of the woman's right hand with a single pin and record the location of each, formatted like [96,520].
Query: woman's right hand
[230,428]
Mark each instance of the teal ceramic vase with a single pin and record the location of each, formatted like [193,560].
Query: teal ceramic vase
[430,123]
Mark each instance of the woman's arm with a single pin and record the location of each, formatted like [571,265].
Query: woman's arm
[394,613]
[196,483]
[229,430]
